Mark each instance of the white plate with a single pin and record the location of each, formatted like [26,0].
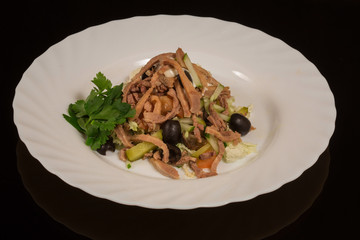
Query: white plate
[294,110]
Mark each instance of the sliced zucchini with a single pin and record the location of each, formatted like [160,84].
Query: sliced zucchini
[244,111]
[218,108]
[217,92]
[206,103]
[186,127]
[185,120]
[192,71]
[213,142]
[138,151]
[189,121]
[230,103]
[201,150]
[224,117]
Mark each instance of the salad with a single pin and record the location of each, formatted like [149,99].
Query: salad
[172,112]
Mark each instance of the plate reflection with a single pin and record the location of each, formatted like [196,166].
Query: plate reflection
[99,218]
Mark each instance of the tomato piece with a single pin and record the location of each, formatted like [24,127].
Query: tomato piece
[206,163]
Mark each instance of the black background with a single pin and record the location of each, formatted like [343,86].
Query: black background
[326,33]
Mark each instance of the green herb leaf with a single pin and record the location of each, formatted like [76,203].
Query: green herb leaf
[72,118]
[93,103]
[123,108]
[79,108]
[101,82]
[73,122]
[114,93]
[107,112]
[100,112]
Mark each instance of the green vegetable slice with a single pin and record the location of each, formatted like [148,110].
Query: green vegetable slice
[185,120]
[244,111]
[138,151]
[217,92]
[186,127]
[213,142]
[224,117]
[206,103]
[192,71]
[201,150]
[218,108]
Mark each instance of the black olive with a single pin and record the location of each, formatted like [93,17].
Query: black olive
[187,74]
[102,150]
[174,153]
[171,132]
[239,123]
[108,146]
[144,76]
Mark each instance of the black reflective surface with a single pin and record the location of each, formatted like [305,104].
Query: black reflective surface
[102,219]
[322,203]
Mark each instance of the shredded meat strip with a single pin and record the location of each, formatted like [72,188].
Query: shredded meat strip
[193,95]
[164,169]
[197,128]
[155,141]
[148,65]
[120,133]
[140,105]
[179,57]
[176,105]
[157,155]
[157,104]
[208,91]
[158,118]
[218,157]
[148,107]
[148,155]
[206,155]
[185,158]
[215,119]
[154,99]
[196,124]
[225,136]
[199,172]
[151,117]
[181,97]
[205,77]
[122,155]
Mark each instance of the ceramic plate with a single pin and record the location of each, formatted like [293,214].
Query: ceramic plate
[294,111]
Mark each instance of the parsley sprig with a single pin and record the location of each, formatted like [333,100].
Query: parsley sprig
[100,112]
